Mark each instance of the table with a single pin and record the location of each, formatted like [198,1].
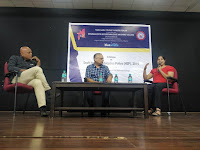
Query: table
[85,86]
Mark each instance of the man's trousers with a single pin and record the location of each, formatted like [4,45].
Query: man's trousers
[35,77]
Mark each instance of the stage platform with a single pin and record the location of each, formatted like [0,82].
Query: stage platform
[119,131]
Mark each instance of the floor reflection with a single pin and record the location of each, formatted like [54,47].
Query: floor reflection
[157,120]
[36,143]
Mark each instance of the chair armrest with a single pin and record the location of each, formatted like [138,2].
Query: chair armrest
[172,79]
[12,73]
[148,81]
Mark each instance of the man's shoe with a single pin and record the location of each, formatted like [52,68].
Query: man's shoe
[43,112]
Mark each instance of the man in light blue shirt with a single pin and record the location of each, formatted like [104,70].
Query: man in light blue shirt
[92,74]
[93,71]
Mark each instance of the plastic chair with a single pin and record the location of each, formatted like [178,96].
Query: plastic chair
[15,88]
[174,90]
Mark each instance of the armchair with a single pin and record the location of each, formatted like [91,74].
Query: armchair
[174,90]
[16,87]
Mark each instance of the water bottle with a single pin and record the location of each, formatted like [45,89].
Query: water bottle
[116,79]
[64,76]
[100,78]
[129,78]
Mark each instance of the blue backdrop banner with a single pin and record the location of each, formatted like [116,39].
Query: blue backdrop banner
[126,49]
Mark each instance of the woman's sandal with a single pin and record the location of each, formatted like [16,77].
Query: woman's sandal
[150,111]
[156,113]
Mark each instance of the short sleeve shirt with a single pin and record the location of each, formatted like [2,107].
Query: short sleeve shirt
[157,76]
[93,72]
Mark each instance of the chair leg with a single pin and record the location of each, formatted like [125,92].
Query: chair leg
[26,103]
[15,100]
[182,103]
[180,97]
[168,98]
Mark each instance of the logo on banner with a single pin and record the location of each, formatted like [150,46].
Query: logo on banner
[140,35]
[112,44]
[81,34]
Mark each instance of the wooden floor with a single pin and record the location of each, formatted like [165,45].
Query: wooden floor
[117,132]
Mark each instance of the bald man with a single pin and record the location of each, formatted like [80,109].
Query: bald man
[92,74]
[30,73]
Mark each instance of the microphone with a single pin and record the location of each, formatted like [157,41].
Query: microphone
[159,66]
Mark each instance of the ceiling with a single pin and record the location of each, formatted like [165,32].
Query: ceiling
[150,5]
